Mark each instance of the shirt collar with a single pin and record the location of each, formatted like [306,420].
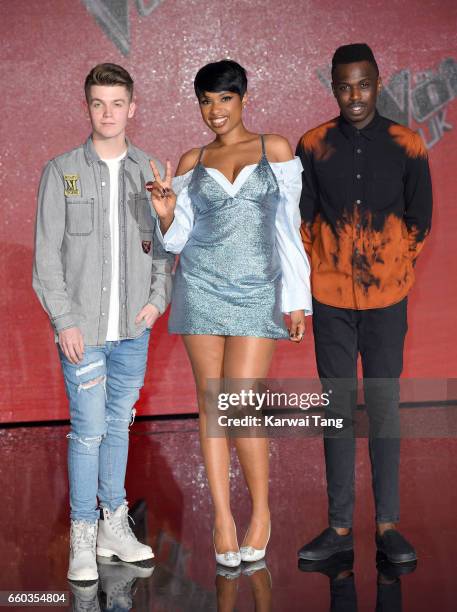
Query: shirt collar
[370,131]
[92,155]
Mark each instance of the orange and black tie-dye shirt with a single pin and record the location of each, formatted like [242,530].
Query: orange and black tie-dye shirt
[366,206]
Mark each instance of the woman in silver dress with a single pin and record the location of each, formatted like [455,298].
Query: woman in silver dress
[235,223]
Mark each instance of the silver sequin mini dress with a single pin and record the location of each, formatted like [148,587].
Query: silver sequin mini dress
[228,280]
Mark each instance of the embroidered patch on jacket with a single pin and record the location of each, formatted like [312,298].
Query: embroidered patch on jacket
[146,244]
[71,185]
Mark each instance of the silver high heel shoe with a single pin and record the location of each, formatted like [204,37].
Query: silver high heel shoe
[230,558]
[250,554]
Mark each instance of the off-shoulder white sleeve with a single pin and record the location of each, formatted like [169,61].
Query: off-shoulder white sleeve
[178,233]
[296,286]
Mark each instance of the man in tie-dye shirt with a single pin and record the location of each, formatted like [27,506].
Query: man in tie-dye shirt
[366,206]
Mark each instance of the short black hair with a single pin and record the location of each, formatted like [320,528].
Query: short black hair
[225,75]
[357,52]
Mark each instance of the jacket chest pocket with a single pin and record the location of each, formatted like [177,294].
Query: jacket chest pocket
[79,217]
[143,213]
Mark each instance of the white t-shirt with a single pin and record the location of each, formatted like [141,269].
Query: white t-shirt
[113,317]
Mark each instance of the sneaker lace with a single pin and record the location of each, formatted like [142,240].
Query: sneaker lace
[84,535]
[122,525]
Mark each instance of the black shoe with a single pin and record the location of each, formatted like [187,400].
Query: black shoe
[331,567]
[394,570]
[395,547]
[326,544]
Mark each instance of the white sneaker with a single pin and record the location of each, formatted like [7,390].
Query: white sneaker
[116,538]
[83,563]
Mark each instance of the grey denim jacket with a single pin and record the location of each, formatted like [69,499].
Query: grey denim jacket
[72,264]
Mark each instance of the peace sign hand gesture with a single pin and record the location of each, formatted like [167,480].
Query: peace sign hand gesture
[162,195]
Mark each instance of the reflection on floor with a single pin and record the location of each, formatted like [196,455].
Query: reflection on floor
[170,504]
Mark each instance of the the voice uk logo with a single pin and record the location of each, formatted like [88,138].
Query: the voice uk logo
[421,98]
[113,17]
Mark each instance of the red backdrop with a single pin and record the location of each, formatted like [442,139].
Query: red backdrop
[47,48]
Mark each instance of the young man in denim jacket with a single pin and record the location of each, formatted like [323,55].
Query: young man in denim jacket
[103,280]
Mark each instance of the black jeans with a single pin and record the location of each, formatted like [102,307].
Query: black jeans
[378,335]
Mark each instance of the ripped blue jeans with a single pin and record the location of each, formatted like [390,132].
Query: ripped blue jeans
[102,391]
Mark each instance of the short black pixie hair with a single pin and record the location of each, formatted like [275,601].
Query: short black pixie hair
[357,52]
[225,75]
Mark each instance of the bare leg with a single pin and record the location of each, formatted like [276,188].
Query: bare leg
[248,357]
[206,354]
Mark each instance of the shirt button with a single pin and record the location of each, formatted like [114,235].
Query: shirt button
[105,209]
[358,176]
[103,183]
[356,251]
[358,226]
[106,235]
[103,314]
[123,305]
[104,288]
[105,261]
[358,201]
[359,150]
